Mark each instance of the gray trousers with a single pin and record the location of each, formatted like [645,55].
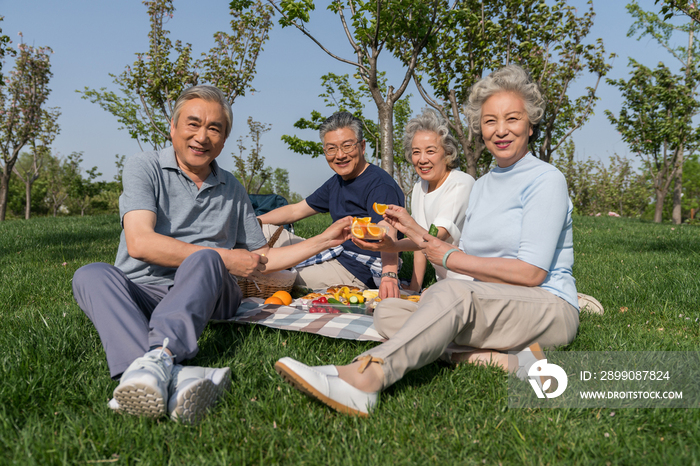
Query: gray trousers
[130,317]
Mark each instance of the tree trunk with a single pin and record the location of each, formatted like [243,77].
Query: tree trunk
[678,190]
[386,129]
[4,190]
[28,197]
[659,210]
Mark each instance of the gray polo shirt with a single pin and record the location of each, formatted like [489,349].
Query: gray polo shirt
[219,214]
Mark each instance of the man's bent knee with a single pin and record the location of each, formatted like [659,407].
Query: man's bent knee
[87,274]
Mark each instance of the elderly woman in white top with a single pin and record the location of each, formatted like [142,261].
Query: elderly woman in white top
[439,198]
[517,244]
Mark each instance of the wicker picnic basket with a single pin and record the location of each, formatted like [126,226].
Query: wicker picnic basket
[266,285]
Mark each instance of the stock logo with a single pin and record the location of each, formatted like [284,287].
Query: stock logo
[546,372]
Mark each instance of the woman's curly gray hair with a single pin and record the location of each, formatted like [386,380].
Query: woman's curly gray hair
[512,78]
[431,121]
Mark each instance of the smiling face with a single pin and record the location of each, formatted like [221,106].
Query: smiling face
[198,136]
[505,127]
[428,157]
[349,165]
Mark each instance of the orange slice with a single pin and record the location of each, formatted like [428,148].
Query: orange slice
[379,208]
[375,231]
[361,220]
[358,231]
[285,297]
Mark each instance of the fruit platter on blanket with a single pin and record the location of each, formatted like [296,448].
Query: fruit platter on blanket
[344,299]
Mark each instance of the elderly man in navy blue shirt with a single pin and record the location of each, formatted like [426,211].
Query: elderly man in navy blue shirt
[355,187]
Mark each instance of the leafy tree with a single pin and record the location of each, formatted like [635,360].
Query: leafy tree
[83,190]
[119,162]
[595,188]
[58,180]
[649,24]
[691,186]
[278,183]
[149,87]
[653,122]
[4,48]
[687,7]
[29,168]
[21,109]
[402,26]
[483,35]
[251,170]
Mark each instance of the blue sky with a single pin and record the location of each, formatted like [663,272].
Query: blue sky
[92,38]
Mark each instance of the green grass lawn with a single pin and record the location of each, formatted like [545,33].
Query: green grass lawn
[54,382]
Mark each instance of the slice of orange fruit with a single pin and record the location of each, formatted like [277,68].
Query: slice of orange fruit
[379,208]
[285,297]
[358,231]
[374,231]
[361,220]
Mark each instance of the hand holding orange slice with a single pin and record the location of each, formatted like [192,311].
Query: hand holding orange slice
[379,208]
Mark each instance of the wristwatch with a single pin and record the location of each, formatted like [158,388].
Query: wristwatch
[390,275]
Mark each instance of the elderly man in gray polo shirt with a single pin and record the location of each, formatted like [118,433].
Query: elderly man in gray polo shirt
[188,226]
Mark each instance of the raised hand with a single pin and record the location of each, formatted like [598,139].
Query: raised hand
[399,218]
[338,232]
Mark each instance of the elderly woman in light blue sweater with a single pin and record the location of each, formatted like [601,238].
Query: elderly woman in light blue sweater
[516,243]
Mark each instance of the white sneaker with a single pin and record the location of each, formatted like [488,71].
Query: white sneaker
[193,390]
[143,389]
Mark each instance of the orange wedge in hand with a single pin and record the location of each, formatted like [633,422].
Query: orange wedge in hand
[379,208]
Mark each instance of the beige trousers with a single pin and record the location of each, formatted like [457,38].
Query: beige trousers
[470,313]
[323,275]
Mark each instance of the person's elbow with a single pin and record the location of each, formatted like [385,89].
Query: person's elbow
[136,246]
[533,276]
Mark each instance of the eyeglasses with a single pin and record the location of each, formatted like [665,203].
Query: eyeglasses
[346,148]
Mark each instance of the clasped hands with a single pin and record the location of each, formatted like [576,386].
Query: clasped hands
[251,264]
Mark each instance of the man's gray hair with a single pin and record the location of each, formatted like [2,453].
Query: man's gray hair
[433,122]
[341,120]
[512,78]
[209,94]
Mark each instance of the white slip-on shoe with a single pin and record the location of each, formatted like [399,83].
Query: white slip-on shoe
[323,384]
[194,389]
[528,357]
[143,389]
[589,304]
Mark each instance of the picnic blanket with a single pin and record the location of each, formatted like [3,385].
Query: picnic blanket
[345,326]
